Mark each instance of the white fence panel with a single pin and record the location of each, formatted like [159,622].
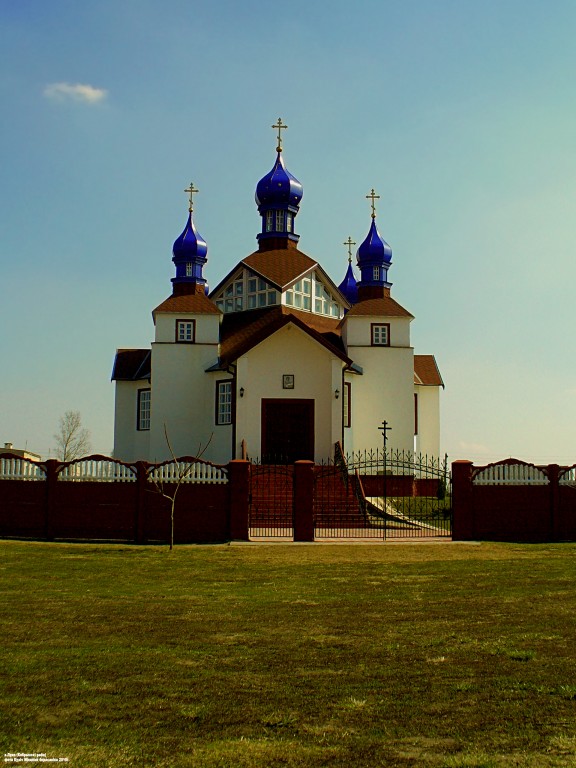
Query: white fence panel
[197,472]
[568,477]
[511,474]
[95,470]
[20,469]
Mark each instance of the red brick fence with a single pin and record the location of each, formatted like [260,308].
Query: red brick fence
[101,498]
[513,500]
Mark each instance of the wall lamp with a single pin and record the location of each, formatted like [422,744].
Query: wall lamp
[336,393]
[241,391]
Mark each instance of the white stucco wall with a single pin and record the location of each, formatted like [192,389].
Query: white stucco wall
[183,398]
[427,441]
[356,330]
[130,444]
[385,392]
[317,374]
[207,327]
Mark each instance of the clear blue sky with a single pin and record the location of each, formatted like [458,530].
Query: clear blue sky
[461,115]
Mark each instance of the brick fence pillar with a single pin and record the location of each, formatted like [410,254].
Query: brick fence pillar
[556,524]
[239,505]
[463,523]
[50,501]
[304,501]
[140,509]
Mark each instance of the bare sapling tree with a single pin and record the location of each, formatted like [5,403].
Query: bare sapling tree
[168,488]
[72,439]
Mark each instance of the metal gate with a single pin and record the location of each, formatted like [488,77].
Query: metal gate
[340,511]
[383,495]
[271,501]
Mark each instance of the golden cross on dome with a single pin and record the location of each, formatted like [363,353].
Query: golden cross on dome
[373,196]
[281,127]
[349,243]
[191,190]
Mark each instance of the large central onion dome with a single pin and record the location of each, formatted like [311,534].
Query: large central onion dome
[278,196]
[279,188]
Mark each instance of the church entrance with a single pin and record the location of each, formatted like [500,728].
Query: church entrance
[287,431]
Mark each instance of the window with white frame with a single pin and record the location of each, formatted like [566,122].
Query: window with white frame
[224,402]
[376,273]
[143,418]
[246,291]
[311,294]
[380,334]
[185,331]
[189,269]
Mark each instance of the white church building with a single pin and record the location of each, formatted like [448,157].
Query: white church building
[277,361]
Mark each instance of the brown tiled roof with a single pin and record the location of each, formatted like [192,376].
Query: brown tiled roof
[280,267]
[194,303]
[426,371]
[241,331]
[131,365]
[384,307]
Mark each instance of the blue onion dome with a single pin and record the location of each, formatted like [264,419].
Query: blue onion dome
[349,287]
[374,248]
[190,244]
[279,188]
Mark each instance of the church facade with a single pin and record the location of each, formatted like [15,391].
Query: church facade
[277,361]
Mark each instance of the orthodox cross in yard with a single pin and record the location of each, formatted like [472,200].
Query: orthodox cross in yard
[384,429]
[373,196]
[281,127]
[191,191]
[349,243]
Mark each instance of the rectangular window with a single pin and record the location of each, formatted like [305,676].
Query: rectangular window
[189,271]
[269,221]
[279,221]
[143,419]
[186,331]
[224,402]
[376,273]
[347,404]
[380,334]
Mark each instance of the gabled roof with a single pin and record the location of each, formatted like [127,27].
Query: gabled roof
[281,268]
[385,306]
[426,371]
[131,365]
[193,304]
[241,331]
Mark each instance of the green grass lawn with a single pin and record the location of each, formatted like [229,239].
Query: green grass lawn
[289,655]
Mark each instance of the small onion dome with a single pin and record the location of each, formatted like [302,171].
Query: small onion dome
[279,188]
[349,287]
[190,244]
[374,249]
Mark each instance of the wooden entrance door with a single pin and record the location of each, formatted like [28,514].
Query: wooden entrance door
[287,431]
